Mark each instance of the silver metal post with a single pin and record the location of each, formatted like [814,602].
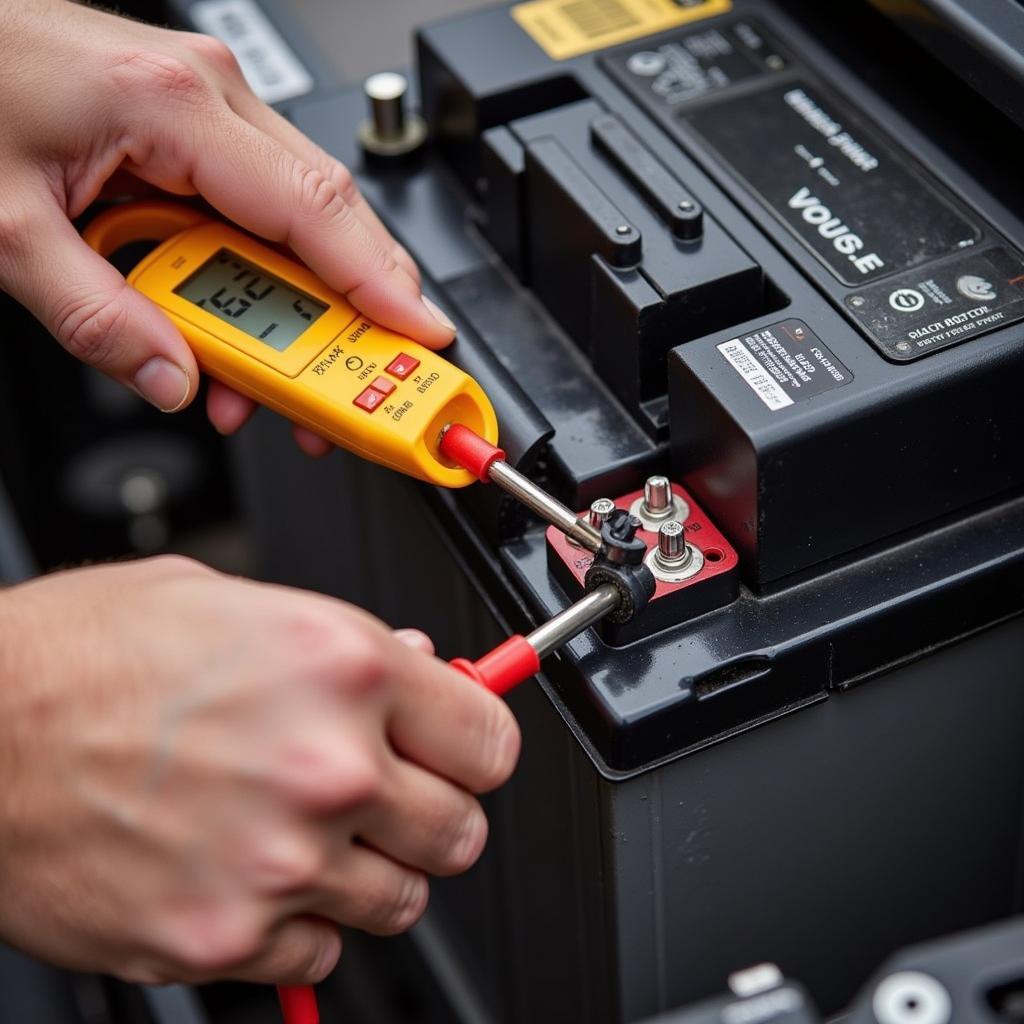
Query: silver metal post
[386,93]
[549,509]
[390,130]
[561,628]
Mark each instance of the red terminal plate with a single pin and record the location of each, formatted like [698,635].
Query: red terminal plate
[719,556]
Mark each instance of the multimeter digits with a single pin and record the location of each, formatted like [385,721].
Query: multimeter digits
[265,325]
[263,306]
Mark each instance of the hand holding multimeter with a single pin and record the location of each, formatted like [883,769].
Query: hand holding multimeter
[267,327]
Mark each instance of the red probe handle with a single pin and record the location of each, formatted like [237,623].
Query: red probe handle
[506,666]
[298,1004]
[470,451]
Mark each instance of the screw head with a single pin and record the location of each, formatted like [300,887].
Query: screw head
[600,510]
[685,205]
[623,229]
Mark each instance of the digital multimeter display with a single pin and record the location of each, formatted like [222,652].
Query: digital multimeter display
[243,294]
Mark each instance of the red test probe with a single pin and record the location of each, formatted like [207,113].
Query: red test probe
[519,657]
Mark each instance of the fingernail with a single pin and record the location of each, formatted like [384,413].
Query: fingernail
[162,384]
[416,639]
[438,314]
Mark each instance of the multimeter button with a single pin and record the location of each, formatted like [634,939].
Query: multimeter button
[383,385]
[368,399]
[401,366]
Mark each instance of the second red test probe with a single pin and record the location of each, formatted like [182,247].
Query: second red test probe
[519,657]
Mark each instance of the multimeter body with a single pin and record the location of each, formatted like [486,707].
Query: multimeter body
[270,328]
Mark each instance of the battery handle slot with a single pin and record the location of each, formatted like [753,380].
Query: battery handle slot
[730,676]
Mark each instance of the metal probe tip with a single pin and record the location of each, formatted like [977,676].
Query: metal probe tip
[542,504]
[580,615]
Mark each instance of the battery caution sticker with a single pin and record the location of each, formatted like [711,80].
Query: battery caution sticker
[567,28]
[785,363]
[928,310]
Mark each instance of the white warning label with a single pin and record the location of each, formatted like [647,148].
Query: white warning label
[785,363]
[761,382]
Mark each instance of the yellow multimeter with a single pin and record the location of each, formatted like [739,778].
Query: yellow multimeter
[268,327]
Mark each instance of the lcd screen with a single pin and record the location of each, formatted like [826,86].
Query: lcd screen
[243,294]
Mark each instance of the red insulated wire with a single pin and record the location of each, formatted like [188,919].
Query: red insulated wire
[298,1004]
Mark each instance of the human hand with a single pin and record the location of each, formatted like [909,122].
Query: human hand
[89,99]
[202,774]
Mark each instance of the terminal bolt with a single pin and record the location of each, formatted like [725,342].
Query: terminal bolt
[659,504]
[599,511]
[673,560]
[391,131]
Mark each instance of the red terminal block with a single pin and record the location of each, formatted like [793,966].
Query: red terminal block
[701,572]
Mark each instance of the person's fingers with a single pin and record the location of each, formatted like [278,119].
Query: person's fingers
[416,639]
[311,444]
[301,951]
[425,822]
[87,305]
[251,179]
[268,120]
[432,704]
[367,890]
[123,185]
[226,409]
[229,411]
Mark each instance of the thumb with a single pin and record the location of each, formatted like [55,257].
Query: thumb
[91,310]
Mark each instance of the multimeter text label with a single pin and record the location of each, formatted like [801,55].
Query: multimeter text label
[323,365]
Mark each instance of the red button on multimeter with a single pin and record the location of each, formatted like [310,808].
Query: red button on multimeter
[368,399]
[401,366]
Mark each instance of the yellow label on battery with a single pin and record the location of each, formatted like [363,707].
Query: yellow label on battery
[567,28]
